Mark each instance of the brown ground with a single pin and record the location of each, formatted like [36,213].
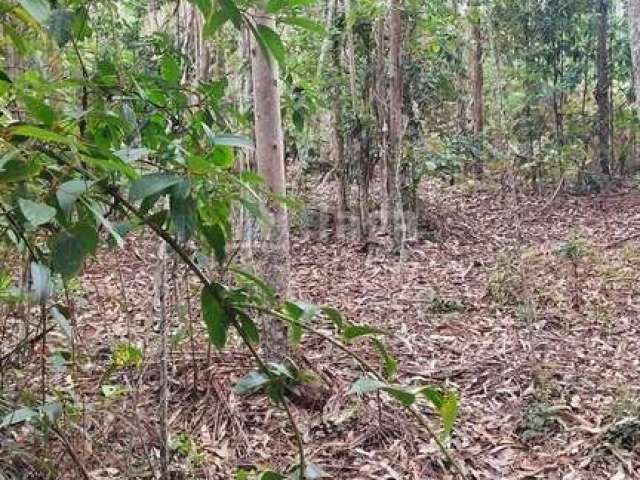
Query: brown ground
[544,353]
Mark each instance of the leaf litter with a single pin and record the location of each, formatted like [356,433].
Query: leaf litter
[542,350]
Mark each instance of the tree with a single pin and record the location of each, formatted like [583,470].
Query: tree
[394,207]
[477,84]
[274,251]
[633,16]
[603,85]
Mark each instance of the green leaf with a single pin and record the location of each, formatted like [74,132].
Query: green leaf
[69,192]
[449,413]
[274,6]
[264,287]
[270,476]
[40,282]
[183,211]
[271,40]
[170,69]
[365,385]
[71,248]
[230,140]
[434,395]
[4,77]
[130,155]
[403,396]
[96,210]
[152,184]
[38,9]
[42,134]
[335,316]
[17,170]
[18,416]
[36,213]
[304,22]
[355,331]
[40,110]
[249,328]
[215,21]
[60,24]
[231,10]
[251,383]
[390,363]
[216,238]
[203,5]
[87,235]
[214,315]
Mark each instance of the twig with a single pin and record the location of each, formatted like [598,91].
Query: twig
[298,435]
[67,446]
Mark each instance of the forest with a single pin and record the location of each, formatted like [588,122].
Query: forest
[308,239]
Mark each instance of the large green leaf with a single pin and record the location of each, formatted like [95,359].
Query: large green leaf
[304,22]
[60,24]
[271,40]
[36,213]
[231,10]
[70,191]
[151,184]
[40,282]
[17,169]
[215,21]
[38,9]
[214,315]
[42,135]
[170,69]
[40,110]
[71,248]
[274,6]
[216,238]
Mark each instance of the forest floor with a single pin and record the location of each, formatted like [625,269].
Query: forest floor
[543,350]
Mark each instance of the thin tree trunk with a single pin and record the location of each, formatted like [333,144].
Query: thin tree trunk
[603,85]
[381,110]
[395,123]
[633,17]
[274,256]
[339,165]
[477,80]
[351,61]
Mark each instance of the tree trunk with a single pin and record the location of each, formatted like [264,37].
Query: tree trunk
[634,30]
[337,145]
[395,124]
[274,248]
[603,85]
[477,80]
[382,119]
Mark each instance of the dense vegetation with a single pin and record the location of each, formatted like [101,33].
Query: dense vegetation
[213,138]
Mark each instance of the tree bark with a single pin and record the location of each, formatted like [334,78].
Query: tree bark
[395,124]
[274,248]
[603,85]
[477,78]
[382,119]
[634,30]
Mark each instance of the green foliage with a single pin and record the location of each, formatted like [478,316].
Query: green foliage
[445,404]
